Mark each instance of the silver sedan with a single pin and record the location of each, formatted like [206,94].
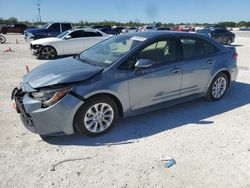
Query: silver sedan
[123,76]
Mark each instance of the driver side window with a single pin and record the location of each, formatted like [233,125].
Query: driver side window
[76,34]
[160,52]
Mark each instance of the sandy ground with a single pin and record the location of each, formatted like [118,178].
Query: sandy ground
[209,141]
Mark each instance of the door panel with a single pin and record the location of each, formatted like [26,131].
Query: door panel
[154,86]
[196,74]
[160,83]
[198,62]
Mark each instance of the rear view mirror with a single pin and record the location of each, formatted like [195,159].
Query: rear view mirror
[143,63]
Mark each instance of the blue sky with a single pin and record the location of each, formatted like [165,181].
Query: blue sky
[165,11]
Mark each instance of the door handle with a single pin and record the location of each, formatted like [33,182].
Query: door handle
[210,61]
[176,70]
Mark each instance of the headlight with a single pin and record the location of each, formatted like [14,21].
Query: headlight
[50,97]
[37,46]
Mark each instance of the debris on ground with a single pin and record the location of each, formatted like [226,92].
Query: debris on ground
[169,161]
[8,50]
[69,160]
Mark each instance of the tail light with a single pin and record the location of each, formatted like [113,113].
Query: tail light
[235,56]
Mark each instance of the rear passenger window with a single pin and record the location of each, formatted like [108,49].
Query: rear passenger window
[192,48]
[209,48]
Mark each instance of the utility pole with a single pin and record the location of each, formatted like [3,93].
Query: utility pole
[38,7]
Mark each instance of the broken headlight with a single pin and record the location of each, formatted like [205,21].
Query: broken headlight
[50,97]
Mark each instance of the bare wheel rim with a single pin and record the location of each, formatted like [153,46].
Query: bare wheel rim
[48,53]
[219,87]
[99,117]
[2,39]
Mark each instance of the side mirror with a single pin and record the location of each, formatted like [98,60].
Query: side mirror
[143,63]
[68,37]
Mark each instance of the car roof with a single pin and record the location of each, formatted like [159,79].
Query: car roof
[158,34]
[85,29]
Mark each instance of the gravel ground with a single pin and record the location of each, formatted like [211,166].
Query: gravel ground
[210,142]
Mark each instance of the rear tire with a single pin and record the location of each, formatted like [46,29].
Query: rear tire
[218,87]
[97,116]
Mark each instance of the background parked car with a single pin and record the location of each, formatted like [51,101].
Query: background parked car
[14,28]
[107,29]
[67,43]
[48,30]
[162,29]
[219,34]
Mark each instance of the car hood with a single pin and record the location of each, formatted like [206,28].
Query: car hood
[61,71]
[45,40]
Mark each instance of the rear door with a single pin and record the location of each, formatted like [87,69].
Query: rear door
[198,57]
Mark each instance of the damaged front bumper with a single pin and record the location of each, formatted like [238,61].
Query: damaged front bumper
[51,121]
[35,49]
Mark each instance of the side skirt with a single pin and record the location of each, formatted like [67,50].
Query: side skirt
[166,104]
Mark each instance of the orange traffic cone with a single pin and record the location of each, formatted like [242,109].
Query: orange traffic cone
[13,104]
[17,41]
[27,70]
[8,50]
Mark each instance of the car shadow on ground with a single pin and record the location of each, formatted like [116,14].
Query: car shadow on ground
[194,112]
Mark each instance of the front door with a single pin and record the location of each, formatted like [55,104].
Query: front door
[161,82]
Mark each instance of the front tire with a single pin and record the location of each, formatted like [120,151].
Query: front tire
[48,52]
[218,87]
[97,116]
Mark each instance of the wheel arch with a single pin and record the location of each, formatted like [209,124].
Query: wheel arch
[226,72]
[113,97]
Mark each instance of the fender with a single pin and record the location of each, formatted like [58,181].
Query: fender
[217,72]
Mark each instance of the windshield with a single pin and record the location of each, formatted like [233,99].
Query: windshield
[107,52]
[45,26]
[63,34]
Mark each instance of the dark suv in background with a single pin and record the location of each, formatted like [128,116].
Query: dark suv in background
[48,30]
[221,35]
[13,28]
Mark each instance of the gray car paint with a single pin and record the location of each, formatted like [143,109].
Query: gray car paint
[60,71]
[137,92]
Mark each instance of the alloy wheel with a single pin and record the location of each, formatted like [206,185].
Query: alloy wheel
[48,53]
[99,117]
[219,87]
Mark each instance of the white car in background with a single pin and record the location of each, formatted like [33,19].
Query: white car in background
[69,42]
